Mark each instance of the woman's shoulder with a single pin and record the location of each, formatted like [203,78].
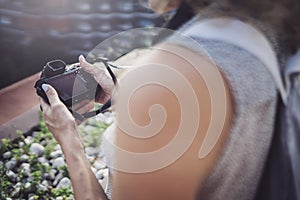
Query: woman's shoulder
[239,50]
[250,68]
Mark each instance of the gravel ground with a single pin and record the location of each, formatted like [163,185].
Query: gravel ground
[33,167]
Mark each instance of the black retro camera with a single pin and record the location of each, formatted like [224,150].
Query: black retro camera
[72,85]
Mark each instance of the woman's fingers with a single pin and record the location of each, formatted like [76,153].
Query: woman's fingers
[44,106]
[102,77]
[51,94]
[89,67]
[84,64]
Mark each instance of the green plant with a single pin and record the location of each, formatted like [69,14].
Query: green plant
[19,182]
[92,135]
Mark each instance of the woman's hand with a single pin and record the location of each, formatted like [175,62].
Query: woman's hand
[63,127]
[101,75]
[57,117]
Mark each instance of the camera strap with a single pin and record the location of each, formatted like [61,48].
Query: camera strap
[107,104]
[87,115]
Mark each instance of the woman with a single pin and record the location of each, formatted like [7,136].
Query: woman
[231,161]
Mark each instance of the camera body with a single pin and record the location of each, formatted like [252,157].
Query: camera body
[72,85]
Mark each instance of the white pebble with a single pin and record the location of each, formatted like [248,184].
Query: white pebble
[58,162]
[57,147]
[11,175]
[65,182]
[21,144]
[7,155]
[91,151]
[25,168]
[90,158]
[57,179]
[27,185]
[31,198]
[11,164]
[53,172]
[28,140]
[24,158]
[99,164]
[37,149]
[56,154]
[42,187]
[45,183]
[25,165]
[43,160]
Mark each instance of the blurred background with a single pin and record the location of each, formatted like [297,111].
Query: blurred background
[33,32]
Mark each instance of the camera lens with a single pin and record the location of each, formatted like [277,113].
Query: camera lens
[54,68]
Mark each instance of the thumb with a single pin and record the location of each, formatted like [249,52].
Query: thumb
[84,64]
[91,69]
[81,59]
[51,94]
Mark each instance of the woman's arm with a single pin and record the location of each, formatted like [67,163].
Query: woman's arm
[84,182]
[173,114]
[63,127]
